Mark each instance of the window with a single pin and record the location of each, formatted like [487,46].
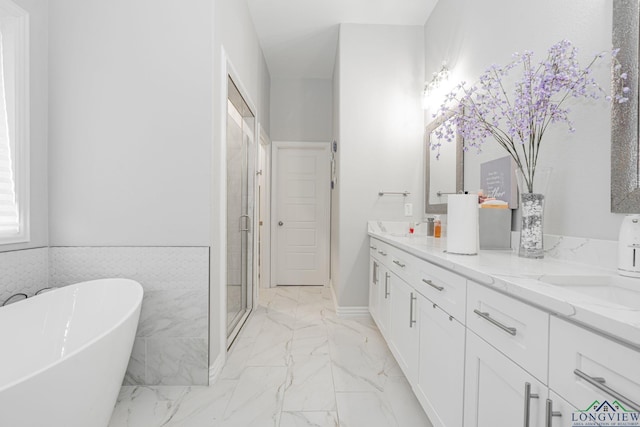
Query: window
[14,124]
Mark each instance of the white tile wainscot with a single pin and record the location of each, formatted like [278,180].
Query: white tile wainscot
[24,271]
[171,346]
[522,344]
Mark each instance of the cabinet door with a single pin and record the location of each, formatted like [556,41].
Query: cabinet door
[585,367]
[374,280]
[384,300]
[495,389]
[440,386]
[516,329]
[562,412]
[404,327]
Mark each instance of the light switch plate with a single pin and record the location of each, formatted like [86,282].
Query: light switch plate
[408,209]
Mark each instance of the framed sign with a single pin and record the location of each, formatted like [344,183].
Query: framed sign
[498,179]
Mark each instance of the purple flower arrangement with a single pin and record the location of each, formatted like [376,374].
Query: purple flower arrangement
[517,112]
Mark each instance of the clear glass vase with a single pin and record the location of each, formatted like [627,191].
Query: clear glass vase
[532,213]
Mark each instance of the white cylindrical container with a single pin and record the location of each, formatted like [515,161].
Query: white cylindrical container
[462,220]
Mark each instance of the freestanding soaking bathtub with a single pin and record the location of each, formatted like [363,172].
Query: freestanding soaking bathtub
[63,354]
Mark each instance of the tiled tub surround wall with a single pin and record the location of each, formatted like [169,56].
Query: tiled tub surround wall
[171,346]
[23,271]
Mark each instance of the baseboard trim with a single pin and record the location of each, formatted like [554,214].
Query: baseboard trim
[216,368]
[348,311]
[352,311]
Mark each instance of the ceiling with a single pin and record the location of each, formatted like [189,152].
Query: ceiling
[299,38]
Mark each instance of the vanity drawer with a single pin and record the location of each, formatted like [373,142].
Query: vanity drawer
[518,330]
[583,365]
[379,250]
[448,290]
[401,263]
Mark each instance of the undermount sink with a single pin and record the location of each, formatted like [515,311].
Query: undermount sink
[613,289]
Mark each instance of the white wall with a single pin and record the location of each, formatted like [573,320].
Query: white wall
[301,109]
[236,50]
[381,76]
[472,35]
[131,128]
[38,87]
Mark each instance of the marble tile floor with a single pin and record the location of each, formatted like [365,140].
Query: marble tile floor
[294,364]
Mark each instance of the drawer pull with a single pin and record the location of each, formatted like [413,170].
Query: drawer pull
[527,403]
[433,285]
[411,319]
[387,276]
[599,383]
[487,316]
[398,263]
[550,413]
[375,273]
[383,253]
[374,248]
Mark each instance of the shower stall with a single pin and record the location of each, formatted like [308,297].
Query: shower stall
[240,207]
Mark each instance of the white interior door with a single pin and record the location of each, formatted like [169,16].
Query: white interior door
[301,213]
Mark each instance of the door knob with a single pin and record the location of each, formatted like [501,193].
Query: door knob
[280,223]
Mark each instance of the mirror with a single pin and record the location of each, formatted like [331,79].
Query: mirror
[625,159]
[443,174]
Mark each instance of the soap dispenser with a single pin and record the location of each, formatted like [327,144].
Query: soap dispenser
[629,247]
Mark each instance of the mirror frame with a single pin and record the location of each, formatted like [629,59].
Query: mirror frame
[441,208]
[625,160]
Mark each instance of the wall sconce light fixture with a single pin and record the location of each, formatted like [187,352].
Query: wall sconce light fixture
[437,81]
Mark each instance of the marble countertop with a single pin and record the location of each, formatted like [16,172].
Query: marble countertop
[523,278]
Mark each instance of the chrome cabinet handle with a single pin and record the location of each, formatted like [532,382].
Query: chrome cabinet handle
[375,273]
[527,403]
[374,248]
[599,383]
[411,319]
[550,413]
[383,253]
[386,285]
[433,285]
[487,316]
[398,263]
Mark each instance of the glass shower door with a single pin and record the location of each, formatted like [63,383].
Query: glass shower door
[240,148]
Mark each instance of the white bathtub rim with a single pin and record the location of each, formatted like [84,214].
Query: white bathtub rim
[90,342]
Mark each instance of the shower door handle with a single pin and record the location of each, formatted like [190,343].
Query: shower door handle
[247,223]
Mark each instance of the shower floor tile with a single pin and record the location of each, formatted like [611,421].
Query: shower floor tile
[295,363]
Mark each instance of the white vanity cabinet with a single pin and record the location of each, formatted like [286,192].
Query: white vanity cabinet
[427,341]
[440,379]
[585,366]
[498,392]
[404,336]
[380,285]
[477,357]
[518,330]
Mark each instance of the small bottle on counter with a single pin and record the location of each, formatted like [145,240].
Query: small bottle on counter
[430,226]
[437,227]
[412,227]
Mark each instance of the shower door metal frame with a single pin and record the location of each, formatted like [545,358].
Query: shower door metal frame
[245,221]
